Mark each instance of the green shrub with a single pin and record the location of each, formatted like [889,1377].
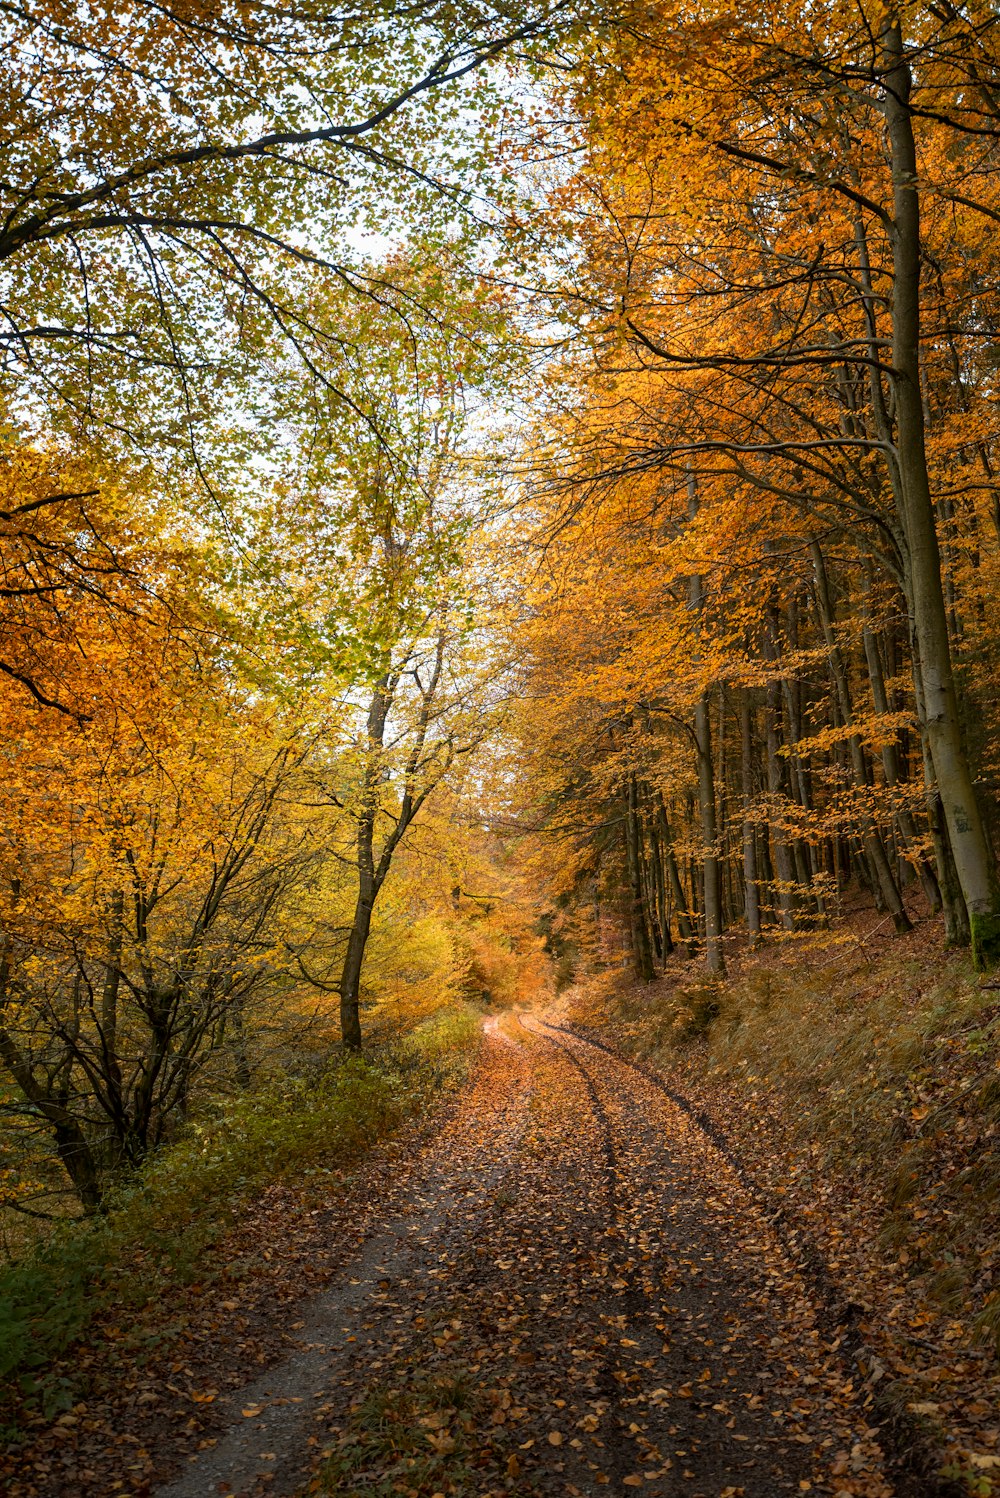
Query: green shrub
[447,1036]
[158,1226]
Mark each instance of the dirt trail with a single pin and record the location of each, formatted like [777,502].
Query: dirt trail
[351,1324]
[577,1296]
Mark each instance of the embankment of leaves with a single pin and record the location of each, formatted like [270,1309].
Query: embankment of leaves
[166,1228]
[855,1080]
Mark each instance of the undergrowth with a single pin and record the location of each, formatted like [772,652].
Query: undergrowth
[861,1079]
[446,1036]
[421,1440]
[159,1228]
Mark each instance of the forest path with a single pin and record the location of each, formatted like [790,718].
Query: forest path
[577,1296]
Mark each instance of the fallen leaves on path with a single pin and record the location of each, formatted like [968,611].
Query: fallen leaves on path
[575,1295]
[900,1219]
[622,1318]
[153,1381]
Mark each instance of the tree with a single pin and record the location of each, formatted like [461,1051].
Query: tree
[418,725]
[177,189]
[706,727]
[758,259]
[384,518]
[146,853]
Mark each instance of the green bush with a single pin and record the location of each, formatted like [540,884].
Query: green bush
[447,1036]
[157,1227]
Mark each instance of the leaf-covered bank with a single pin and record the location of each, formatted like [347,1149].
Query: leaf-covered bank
[110,1298]
[855,1081]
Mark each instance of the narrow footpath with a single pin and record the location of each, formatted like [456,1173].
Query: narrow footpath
[575,1296]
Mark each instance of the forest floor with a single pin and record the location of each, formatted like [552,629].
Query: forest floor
[566,1290]
[851,1078]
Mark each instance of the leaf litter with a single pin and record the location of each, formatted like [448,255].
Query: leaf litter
[570,1293]
[622,1319]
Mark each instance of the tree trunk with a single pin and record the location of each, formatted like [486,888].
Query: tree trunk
[807,862]
[783,865]
[966,831]
[750,874]
[243,1070]
[878,860]
[368,883]
[642,953]
[350,977]
[662,898]
[684,927]
[954,909]
[706,792]
[709,833]
[72,1145]
[110,1064]
[650,890]
[890,769]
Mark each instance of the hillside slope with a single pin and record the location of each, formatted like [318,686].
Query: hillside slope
[855,1079]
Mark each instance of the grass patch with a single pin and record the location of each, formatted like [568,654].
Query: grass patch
[417,1440]
[159,1228]
[425,1436]
[447,1039]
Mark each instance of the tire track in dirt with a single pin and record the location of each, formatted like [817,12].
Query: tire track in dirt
[724,1370]
[913,1460]
[626,1320]
[273,1448]
[609,1306]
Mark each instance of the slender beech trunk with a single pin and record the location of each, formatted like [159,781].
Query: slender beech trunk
[706,795]
[647,869]
[598,912]
[807,857]
[929,621]
[784,882]
[709,833]
[874,847]
[642,952]
[954,908]
[768,878]
[890,769]
[418,781]
[350,975]
[684,927]
[110,1064]
[750,874]
[661,893]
